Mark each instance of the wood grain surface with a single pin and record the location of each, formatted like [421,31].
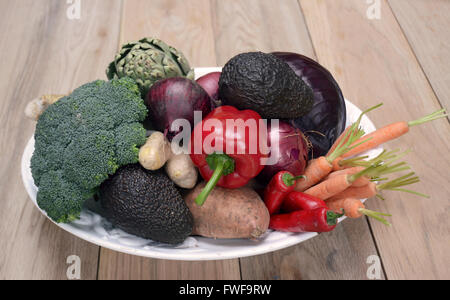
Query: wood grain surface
[401,58]
[374,63]
[426,25]
[43,52]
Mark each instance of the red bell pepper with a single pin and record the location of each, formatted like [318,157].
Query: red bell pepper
[278,189]
[317,220]
[301,201]
[226,154]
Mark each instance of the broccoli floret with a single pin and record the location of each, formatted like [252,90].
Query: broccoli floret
[81,140]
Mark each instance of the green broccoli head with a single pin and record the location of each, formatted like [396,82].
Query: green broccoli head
[81,140]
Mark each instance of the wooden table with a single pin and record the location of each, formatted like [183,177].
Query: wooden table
[396,52]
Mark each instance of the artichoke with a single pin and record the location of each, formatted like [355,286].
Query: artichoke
[148,61]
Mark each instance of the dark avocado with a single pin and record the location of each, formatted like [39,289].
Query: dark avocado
[146,204]
[266,84]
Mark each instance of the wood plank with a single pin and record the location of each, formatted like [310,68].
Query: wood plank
[267,26]
[262,25]
[185,25]
[43,52]
[373,62]
[340,254]
[427,27]
[117,266]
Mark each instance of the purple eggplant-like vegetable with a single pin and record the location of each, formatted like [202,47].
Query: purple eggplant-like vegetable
[326,121]
[210,83]
[176,98]
[292,155]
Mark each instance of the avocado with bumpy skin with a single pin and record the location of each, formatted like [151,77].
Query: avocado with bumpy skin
[266,84]
[146,204]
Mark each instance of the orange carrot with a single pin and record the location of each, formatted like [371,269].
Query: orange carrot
[317,169]
[379,137]
[362,161]
[336,164]
[339,140]
[367,191]
[336,184]
[389,133]
[372,188]
[345,136]
[354,208]
[362,181]
[320,168]
[349,171]
[330,187]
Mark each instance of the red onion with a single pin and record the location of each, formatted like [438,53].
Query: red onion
[293,154]
[176,98]
[210,83]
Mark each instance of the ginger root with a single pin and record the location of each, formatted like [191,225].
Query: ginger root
[37,106]
[157,152]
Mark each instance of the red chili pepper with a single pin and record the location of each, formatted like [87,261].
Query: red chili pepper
[279,187]
[240,157]
[317,220]
[301,201]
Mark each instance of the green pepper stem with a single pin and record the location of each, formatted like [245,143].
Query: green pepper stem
[218,172]
[332,217]
[222,165]
[290,180]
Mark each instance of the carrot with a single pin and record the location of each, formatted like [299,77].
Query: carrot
[349,171]
[362,161]
[319,168]
[341,163]
[382,164]
[339,140]
[337,164]
[354,208]
[372,188]
[367,191]
[344,179]
[390,132]
[335,185]
[330,187]
[344,136]
[362,181]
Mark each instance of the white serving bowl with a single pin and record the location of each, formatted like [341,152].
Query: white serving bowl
[97,230]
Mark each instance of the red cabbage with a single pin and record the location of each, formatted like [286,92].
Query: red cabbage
[326,121]
[293,154]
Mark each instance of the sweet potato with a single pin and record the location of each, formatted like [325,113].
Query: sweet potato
[229,213]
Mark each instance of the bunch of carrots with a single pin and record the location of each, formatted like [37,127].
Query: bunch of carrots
[342,179]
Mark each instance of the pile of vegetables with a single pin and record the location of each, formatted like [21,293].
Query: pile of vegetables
[122,142]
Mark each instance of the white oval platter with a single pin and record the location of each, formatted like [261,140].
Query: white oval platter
[97,230]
